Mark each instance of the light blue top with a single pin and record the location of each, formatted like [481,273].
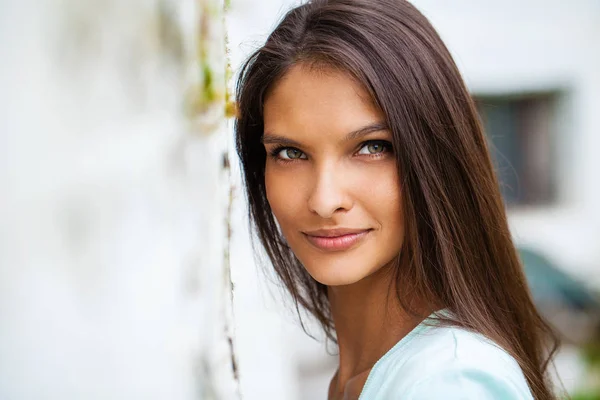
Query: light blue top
[436,362]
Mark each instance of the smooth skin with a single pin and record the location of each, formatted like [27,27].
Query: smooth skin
[330,165]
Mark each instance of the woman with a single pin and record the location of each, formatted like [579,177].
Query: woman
[371,188]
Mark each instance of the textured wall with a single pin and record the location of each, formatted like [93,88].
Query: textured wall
[114,279]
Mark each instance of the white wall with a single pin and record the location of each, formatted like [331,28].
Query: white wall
[112,206]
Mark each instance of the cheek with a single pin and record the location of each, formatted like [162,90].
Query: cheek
[283,194]
[381,196]
[379,185]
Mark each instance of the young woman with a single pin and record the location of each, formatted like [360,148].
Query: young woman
[371,188]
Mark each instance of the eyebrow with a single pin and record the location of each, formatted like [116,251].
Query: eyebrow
[271,138]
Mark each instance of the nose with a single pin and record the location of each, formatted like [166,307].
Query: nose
[329,194]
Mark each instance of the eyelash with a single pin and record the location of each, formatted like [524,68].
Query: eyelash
[274,153]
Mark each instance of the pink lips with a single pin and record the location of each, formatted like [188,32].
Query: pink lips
[336,239]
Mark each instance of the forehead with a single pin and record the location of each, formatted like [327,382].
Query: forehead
[312,97]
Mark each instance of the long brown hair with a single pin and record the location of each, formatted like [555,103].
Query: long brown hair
[458,252]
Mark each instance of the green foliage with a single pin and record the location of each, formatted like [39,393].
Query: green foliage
[591,354]
[591,389]
[208,94]
[586,396]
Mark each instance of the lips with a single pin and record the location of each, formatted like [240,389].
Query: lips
[336,239]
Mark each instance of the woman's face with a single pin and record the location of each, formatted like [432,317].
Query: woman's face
[331,176]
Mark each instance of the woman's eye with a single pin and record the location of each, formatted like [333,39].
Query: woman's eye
[291,154]
[372,148]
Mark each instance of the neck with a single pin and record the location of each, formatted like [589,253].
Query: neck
[369,320]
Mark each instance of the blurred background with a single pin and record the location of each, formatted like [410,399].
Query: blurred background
[126,266]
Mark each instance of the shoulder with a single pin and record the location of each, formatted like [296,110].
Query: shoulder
[452,363]
[464,381]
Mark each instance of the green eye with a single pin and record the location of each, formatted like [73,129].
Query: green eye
[291,154]
[373,148]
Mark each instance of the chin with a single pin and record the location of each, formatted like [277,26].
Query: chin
[336,275]
[336,280]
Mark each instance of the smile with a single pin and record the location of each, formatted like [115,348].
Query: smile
[337,242]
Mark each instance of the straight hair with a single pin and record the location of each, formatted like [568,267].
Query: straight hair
[458,252]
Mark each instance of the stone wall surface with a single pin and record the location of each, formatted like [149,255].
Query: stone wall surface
[114,205]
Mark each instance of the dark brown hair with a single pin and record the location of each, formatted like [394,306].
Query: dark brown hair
[458,252]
